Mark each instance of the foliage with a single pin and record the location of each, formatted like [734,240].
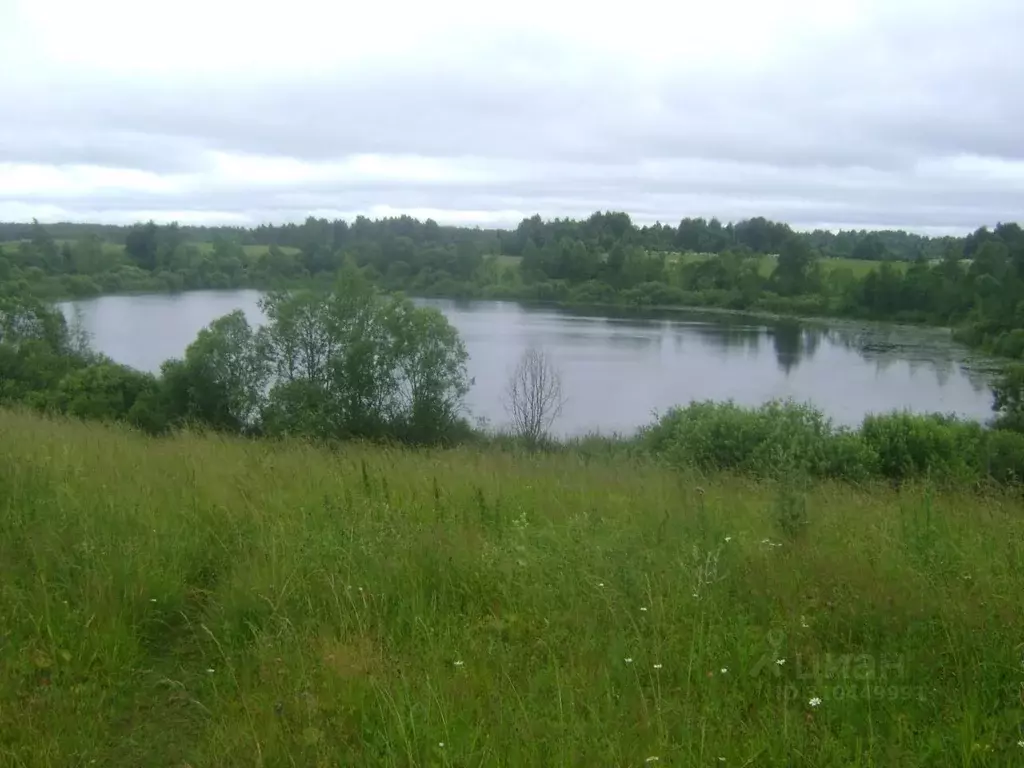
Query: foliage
[222,379]
[1008,403]
[102,391]
[786,440]
[364,364]
[776,438]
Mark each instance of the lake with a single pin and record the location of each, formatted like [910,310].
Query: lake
[618,369]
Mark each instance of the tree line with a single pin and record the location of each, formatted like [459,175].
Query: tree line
[696,234]
[974,283]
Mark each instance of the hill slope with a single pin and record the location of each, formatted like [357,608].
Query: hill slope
[206,601]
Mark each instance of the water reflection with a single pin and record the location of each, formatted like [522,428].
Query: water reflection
[794,342]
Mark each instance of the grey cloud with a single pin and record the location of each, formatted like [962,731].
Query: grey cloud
[918,86]
[727,192]
[113,149]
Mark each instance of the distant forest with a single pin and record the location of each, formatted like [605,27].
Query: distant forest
[700,235]
[974,283]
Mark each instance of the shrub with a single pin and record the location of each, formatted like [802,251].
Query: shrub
[908,445]
[1004,456]
[771,439]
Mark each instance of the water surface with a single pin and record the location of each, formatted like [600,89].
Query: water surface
[619,370]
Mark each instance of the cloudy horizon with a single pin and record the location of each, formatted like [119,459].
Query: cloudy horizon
[852,114]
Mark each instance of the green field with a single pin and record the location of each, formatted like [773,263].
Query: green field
[215,602]
[859,267]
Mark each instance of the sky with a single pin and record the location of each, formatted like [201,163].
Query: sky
[840,114]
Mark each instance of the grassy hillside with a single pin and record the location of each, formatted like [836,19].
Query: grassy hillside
[213,602]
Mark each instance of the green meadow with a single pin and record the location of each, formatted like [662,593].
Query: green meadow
[210,601]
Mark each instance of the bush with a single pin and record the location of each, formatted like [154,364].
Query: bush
[1004,456]
[786,439]
[105,391]
[849,457]
[908,445]
[774,438]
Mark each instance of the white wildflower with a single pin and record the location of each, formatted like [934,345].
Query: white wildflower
[628,659]
[652,759]
[815,702]
[780,662]
[657,666]
[725,670]
[643,608]
[459,663]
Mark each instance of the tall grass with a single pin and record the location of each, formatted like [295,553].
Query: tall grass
[206,601]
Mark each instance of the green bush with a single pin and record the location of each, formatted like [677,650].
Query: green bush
[774,438]
[1004,456]
[780,439]
[849,457]
[908,445]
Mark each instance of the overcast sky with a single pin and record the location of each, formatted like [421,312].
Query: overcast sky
[831,113]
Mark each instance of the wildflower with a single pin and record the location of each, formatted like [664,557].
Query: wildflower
[209,671]
[728,539]
[657,666]
[628,659]
[725,670]
[780,662]
[803,622]
[815,702]
[643,608]
[652,759]
[152,600]
[459,663]
[600,584]
[440,744]
[1021,743]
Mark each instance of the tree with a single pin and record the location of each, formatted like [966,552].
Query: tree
[796,270]
[221,381]
[104,390]
[142,245]
[430,371]
[533,397]
[356,363]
